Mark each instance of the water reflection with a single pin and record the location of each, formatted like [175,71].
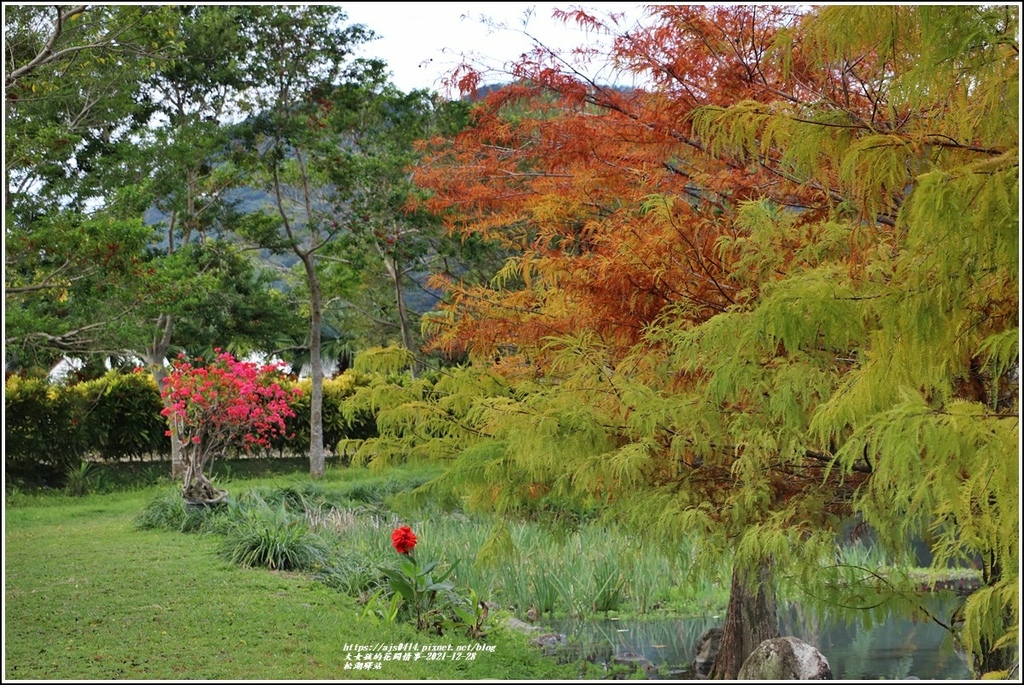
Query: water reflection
[894,648]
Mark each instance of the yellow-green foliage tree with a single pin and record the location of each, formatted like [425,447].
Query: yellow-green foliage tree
[921,395]
[777,288]
[937,397]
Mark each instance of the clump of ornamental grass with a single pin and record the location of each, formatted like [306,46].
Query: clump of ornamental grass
[608,586]
[170,512]
[357,575]
[274,538]
[377,490]
[84,479]
[302,497]
[648,579]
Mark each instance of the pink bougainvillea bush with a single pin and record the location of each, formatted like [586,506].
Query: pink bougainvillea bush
[225,403]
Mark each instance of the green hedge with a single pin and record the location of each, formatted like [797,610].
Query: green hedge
[124,420]
[336,427]
[41,426]
[49,428]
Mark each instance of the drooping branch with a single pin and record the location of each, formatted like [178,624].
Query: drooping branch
[47,54]
[47,282]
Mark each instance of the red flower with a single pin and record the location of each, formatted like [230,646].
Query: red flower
[403,539]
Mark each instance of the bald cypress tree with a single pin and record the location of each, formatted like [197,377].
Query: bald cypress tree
[777,288]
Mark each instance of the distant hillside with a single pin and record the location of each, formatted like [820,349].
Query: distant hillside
[484,91]
[418,300]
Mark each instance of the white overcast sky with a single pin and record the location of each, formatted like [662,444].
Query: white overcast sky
[422,41]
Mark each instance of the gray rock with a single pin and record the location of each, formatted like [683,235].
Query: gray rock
[637,662]
[707,650]
[549,642]
[515,624]
[681,674]
[785,658]
[634,660]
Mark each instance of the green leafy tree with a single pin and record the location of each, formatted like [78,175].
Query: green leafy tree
[74,107]
[400,241]
[205,296]
[289,149]
[139,99]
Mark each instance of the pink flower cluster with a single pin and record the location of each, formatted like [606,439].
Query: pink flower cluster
[225,403]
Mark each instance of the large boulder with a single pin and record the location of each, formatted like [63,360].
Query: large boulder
[549,642]
[785,658]
[707,650]
[635,663]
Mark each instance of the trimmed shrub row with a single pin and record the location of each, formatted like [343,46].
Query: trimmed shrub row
[336,427]
[50,428]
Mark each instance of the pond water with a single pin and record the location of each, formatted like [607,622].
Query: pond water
[894,648]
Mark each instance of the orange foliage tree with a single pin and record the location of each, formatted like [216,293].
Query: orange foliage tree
[730,269]
[611,207]
[613,210]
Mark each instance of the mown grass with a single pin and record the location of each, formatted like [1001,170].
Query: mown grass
[88,596]
[132,585]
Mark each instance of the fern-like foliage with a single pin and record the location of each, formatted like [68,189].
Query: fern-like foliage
[777,289]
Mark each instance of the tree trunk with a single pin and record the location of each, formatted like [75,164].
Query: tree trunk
[992,659]
[154,357]
[403,315]
[995,660]
[750,619]
[317,466]
[197,487]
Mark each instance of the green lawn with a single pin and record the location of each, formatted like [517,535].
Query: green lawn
[89,597]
